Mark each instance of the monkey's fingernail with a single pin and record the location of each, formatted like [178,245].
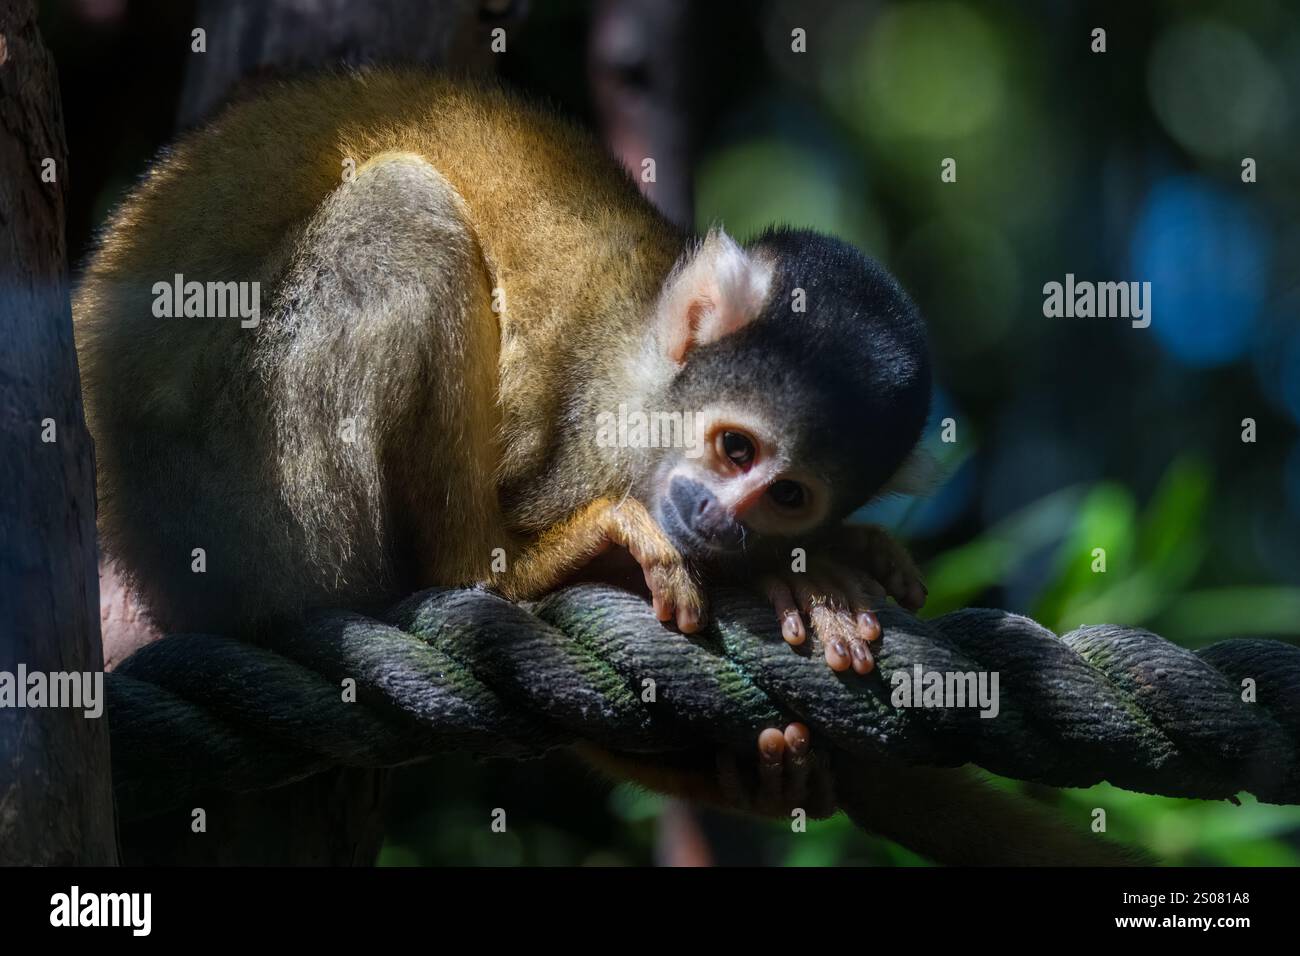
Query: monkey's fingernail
[837,657]
[798,739]
[860,651]
[771,744]
[791,631]
[688,621]
[868,626]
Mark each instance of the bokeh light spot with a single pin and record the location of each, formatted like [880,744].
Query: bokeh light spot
[1212,89]
[932,70]
[1206,256]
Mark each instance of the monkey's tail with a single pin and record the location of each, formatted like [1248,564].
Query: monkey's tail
[950,816]
[955,818]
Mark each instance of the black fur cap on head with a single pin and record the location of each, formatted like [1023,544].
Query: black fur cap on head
[850,374]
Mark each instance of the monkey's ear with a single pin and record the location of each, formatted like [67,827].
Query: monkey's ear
[713,290]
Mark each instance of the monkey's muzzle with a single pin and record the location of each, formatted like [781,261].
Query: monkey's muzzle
[698,523]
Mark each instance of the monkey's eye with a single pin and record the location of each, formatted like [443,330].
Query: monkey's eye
[787,494]
[739,448]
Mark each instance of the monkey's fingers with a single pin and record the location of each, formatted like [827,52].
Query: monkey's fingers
[827,612]
[798,764]
[787,611]
[771,768]
[786,766]
[874,588]
[675,595]
[785,775]
[889,564]
[860,601]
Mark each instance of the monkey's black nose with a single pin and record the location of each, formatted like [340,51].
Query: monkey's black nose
[703,515]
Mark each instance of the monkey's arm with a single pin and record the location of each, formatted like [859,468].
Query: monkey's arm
[570,546]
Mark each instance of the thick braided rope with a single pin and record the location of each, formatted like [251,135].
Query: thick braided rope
[466,670]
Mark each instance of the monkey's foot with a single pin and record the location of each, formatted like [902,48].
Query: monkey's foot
[835,603]
[789,776]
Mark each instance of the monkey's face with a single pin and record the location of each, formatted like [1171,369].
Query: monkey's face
[804,365]
[740,480]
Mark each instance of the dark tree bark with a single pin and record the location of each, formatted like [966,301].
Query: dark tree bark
[334,818]
[56,801]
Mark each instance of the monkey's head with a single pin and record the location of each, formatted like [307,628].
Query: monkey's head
[803,366]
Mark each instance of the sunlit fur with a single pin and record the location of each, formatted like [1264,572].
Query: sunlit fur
[473,429]
[183,410]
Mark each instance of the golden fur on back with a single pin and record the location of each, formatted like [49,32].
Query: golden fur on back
[210,435]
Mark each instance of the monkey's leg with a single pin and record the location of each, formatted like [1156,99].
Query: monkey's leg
[315,458]
[569,546]
[383,366]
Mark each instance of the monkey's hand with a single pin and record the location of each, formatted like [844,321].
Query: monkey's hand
[886,562]
[573,544]
[835,595]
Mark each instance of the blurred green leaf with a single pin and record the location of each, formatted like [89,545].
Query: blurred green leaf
[1106,520]
[958,576]
[1197,617]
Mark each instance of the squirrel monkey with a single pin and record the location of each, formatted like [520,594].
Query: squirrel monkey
[454,294]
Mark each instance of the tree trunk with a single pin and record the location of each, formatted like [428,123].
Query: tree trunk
[56,801]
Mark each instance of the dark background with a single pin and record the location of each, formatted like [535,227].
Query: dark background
[1072,434]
